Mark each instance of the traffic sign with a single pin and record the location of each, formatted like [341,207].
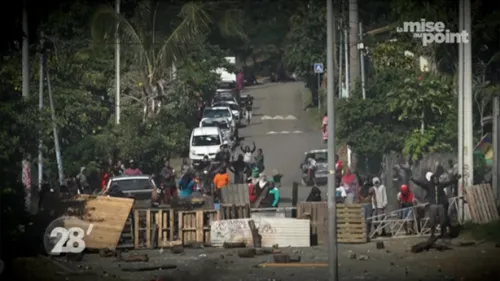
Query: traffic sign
[318,68]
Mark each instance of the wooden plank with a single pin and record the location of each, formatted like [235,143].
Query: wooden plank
[136,229]
[148,229]
[470,203]
[480,204]
[493,204]
[108,215]
[473,203]
[282,231]
[490,202]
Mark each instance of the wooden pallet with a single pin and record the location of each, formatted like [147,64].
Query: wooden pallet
[351,223]
[194,226]
[232,211]
[482,205]
[154,228]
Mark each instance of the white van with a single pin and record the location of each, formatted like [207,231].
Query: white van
[205,141]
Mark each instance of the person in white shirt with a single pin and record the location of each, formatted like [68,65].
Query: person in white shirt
[379,202]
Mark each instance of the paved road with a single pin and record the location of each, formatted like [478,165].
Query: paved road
[284,141]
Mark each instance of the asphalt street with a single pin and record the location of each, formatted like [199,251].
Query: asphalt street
[280,126]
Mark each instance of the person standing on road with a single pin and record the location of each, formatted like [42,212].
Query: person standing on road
[240,80]
[437,201]
[275,192]
[248,154]
[406,201]
[379,201]
[239,168]
[168,182]
[324,131]
[259,160]
[82,181]
[132,169]
[349,183]
[220,180]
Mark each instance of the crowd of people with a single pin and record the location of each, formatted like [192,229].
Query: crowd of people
[369,191]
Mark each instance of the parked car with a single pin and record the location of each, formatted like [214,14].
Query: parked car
[235,109]
[205,141]
[138,187]
[221,112]
[320,157]
[223,124]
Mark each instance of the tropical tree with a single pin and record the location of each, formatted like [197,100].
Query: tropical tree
[155,39]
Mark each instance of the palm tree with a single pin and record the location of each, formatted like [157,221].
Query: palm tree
[155,36]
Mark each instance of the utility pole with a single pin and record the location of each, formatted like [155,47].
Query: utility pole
[468,115]
[496,117]
[332,208]
[466,144]
[341,58]
[26,165]
[57,146]
[353,42]
[117,65]
[40,106]
[346,57]
[461,212]
[361,48]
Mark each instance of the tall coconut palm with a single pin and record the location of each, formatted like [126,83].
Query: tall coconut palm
[157,35]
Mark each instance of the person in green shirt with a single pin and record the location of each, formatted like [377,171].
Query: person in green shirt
[275,192]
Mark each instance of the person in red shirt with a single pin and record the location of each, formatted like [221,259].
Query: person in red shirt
[406,201]
[251,191]
[105,178]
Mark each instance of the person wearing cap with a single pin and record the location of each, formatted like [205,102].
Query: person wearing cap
[132,169]
[379,202]
[277,177]
[406,201]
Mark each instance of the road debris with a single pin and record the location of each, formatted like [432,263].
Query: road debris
[134,258]
[246,253]
[149,268]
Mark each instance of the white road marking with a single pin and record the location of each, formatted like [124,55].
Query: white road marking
[271,133]
[278,117]
[297,132]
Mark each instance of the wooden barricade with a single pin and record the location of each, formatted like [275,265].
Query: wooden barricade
[232,211]
[482,205]
[194,226]
[155,228]
[351,222]
[158,227]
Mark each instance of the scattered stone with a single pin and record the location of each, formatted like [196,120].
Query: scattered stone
[231,245]
[296,251]
[294,258]
[105,253]
[380,245]
[135,258]
[246,253]
[363,258]
[194,245]
[281,258]
[177,249]
[352,255]
[221,257]
[263,251]
[276,246]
